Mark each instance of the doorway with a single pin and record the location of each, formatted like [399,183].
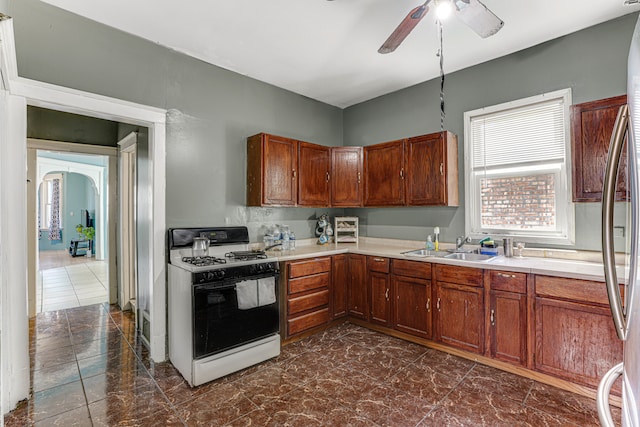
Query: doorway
[72,249]
[86,222]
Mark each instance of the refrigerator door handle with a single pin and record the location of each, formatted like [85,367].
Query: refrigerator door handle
[608,199]
[602,399]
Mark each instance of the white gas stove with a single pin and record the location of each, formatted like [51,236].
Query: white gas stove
[223,306]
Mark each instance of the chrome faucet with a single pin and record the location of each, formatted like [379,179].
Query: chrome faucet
[460,241]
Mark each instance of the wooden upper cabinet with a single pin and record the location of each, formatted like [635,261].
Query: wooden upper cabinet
[431,166]
[346,176]
[592,126]
[314,169]
[384,174]
[271,170]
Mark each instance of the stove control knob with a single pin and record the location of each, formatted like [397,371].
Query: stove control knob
[219,274]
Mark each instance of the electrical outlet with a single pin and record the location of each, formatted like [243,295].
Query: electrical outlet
[618,231]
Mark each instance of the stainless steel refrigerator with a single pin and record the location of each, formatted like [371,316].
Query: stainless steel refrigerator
[626,316]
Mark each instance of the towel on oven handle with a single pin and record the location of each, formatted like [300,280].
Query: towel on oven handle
[266,291]
[247,293]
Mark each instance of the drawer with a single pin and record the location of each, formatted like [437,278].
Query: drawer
[307,302]
[508,281]
[421,270]
[459,275]
[376,263]
[307,321]
[573,289]
[309,266]
[308,283]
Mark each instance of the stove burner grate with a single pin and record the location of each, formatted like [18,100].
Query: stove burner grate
[246,255]
[199,261]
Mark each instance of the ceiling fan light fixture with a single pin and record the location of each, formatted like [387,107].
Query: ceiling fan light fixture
[443,9]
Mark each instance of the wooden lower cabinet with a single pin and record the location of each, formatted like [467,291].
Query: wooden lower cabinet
[508,327]
[575,341]
[307,294]
[460,316]
[507,321]
[339,285]
[357,297]
[412,310]
[379,290]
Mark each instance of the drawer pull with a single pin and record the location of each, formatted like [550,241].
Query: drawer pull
[513,276]
[379,259]
[428,305]
[358,177]
[493,317]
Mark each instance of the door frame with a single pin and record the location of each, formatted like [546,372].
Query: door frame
[25,91]
[107,210]
[128,289]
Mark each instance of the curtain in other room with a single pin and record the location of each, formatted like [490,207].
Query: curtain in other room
[54,226]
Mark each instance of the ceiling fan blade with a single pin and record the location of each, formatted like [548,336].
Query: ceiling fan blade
[478,17]
[405,27]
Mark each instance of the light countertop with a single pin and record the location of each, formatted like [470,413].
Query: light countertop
[391,248]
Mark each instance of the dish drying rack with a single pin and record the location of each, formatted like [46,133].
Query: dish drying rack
[346,229]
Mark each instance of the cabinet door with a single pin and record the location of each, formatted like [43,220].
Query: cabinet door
[508,323]
[412,311]
[339,281]
[384,174]
[357,295]
[460,316]
[346,176]
[313,175]
[380,298]
[592,125]
[279,181]
[432,170]
[575,341]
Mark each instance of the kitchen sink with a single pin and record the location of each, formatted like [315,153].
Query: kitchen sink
[424,253]
[467,256]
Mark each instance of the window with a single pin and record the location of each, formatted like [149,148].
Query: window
[50,202]
[517,170]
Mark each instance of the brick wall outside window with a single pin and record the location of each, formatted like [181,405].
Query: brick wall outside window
[521,202]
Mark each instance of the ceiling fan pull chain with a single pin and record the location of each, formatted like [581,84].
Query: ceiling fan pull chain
[441,55]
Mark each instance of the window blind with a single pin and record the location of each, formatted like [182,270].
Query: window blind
[530,134]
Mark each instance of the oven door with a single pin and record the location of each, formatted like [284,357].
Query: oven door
[231,313]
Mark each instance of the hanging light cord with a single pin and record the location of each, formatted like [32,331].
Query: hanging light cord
[441,55]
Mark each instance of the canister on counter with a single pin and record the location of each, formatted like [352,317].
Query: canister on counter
[508,247]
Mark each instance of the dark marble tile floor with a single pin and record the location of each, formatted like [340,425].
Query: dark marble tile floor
[90,369]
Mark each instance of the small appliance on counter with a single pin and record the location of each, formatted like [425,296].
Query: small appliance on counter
[324,231]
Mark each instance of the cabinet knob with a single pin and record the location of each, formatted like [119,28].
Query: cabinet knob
[402,173]
[293,173]
[328,176]
[441,168]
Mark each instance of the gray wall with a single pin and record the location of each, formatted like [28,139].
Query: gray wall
[52,125]
[591,62]
[211,111]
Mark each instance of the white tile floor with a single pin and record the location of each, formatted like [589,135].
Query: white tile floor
[71,286]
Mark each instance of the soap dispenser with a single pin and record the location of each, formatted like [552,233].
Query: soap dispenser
[429,245]
[436,234]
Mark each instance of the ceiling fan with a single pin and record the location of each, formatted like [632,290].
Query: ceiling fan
[473,13]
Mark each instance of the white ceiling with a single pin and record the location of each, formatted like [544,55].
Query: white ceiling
[327,50]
